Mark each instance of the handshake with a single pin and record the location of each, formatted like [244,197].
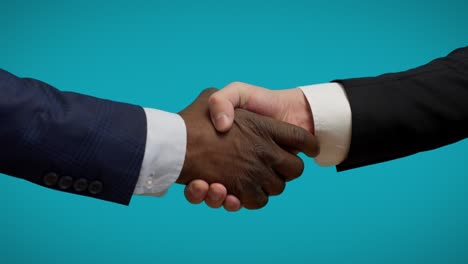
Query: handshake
[242,144]
[235,147]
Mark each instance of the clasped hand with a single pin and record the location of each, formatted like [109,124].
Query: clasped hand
[250,160]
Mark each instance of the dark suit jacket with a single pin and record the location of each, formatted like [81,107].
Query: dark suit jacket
[399,114]
[68,141]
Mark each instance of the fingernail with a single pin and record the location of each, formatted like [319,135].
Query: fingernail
[196,190]
[214,196]
[221,120]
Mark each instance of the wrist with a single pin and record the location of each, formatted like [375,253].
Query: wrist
[196,127]
[165,150]
[332,121]
[301,109]
[182,176]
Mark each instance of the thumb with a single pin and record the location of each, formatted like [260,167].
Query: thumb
[223,102]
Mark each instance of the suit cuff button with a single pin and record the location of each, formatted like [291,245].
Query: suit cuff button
[65,182]
[95,187]
[50,179]
[80,185]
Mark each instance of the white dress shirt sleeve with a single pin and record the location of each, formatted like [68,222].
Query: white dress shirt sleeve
[164,153]
[332,121]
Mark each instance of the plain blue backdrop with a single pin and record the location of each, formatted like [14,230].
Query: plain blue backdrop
[161,54]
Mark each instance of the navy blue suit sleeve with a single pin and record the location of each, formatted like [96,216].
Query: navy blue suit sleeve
[68,141]
[399,114]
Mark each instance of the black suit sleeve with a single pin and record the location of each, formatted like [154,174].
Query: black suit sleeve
[399,114]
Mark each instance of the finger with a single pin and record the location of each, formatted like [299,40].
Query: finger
[216,195]
[254,197]
[232,203]
[223,103]
[206,93]
[274,184]
[294,138]
[288,165]
[196,191]
[271,182]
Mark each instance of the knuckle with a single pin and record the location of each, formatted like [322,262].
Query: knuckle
[259,202]
[254,197]
[259,149]
[279,188]
[208,91]
[300,168]
[214,99]
[235,84]
[282,188]
[262,201]
[235,185]
[249,203]
[279,160]
[299,135]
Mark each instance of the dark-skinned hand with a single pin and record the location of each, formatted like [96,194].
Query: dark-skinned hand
[250,159]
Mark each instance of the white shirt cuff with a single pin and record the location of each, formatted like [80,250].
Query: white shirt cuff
[164,153]
[332,121]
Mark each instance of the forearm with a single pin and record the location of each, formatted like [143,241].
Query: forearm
[68,141]
[399,114]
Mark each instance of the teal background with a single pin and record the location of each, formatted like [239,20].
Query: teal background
[161,54]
